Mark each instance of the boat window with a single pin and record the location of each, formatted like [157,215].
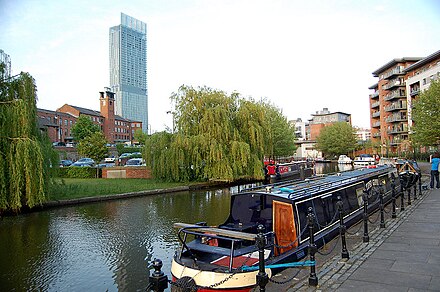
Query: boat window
[250,209]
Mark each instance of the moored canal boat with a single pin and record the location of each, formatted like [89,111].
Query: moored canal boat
[288,171]
[218,258]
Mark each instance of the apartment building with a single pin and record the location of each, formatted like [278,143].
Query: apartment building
[324,118]
[116,129]
[400,82]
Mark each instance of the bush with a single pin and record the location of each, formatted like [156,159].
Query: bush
[78,172]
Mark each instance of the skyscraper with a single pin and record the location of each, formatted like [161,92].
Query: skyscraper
[128,69]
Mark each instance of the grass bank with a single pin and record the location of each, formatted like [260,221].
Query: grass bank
[75,188]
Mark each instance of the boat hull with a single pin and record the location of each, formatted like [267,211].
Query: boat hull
[207,280]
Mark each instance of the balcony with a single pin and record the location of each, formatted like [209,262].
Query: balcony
[376,104]
[396,106]
[401,129]
[374,95]
[396,118]
[376,125]
[393,83]
[415,92]
[376,114]
[376,135]
[395,94]
[395,71]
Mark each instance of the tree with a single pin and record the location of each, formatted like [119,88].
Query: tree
[338,138]
[216,136]
[93,146]
[83,127]
[282,133]
[140,136]
[23,164]
[425,114]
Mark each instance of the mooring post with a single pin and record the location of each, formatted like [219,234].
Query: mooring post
[408,189]
[393,196]
[366,238]
[262,277]
[302,175]
[313,278]
[342,228]
[402,197]
[158,280]
[382,216]
[420,184]
[415,191]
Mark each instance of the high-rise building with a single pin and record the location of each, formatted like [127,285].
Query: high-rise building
[6,60]
[128,69]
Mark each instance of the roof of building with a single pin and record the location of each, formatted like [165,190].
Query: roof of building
[86,111]
[394,62]
[53,112]
[423,62]
[330,113]
[374,86]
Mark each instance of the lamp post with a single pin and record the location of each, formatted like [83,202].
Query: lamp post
[172,114]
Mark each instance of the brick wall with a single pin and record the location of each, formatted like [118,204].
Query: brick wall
[126,172]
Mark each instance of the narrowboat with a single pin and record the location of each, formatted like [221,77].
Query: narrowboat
[288,171]
[213,258]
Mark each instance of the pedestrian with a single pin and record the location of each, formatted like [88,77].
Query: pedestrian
[435,160]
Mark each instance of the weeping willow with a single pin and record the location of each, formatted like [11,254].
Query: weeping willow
[22,165]
[217,137]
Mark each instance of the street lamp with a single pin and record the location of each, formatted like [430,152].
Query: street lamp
[171,113]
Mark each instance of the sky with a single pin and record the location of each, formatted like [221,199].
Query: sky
[302,56]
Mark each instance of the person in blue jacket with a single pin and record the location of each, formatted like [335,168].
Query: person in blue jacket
[435,160]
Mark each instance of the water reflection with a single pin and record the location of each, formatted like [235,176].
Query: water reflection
[103,246]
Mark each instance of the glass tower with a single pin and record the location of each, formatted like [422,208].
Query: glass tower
[128,69]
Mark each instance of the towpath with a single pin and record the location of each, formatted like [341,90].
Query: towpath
[403,256]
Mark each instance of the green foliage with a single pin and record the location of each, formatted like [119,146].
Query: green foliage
[80,172]
[93,146]
[282,133]
[337,139]
[216,137]
[425,114]
[120,148]
[83,127]
[23,164]
[140,136]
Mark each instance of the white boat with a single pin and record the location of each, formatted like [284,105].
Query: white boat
[344,159]
[364,159]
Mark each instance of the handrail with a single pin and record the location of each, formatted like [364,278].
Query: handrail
[216,231]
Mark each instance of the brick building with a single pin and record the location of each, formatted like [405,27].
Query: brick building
[400,82]
[116,129]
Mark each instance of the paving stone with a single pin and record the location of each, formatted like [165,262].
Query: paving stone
[361,286]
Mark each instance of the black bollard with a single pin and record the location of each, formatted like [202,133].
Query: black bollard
[313,278]
[402,198]
[158,280]
[382,216]
[366,238]
[408,189]
[420,184]
[393,196]
[415,191]
[342,228]
[262,277]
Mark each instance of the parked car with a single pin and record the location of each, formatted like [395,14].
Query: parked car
[125,155]
[65,163]
[135,162]
[58,144]
[70,144]
[84,162]
[109,159]
[136,155]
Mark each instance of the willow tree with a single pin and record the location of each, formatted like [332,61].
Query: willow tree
[217,136]
[22,163]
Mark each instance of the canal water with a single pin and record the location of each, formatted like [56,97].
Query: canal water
[103,246]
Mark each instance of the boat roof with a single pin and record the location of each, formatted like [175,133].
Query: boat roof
[310,187]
